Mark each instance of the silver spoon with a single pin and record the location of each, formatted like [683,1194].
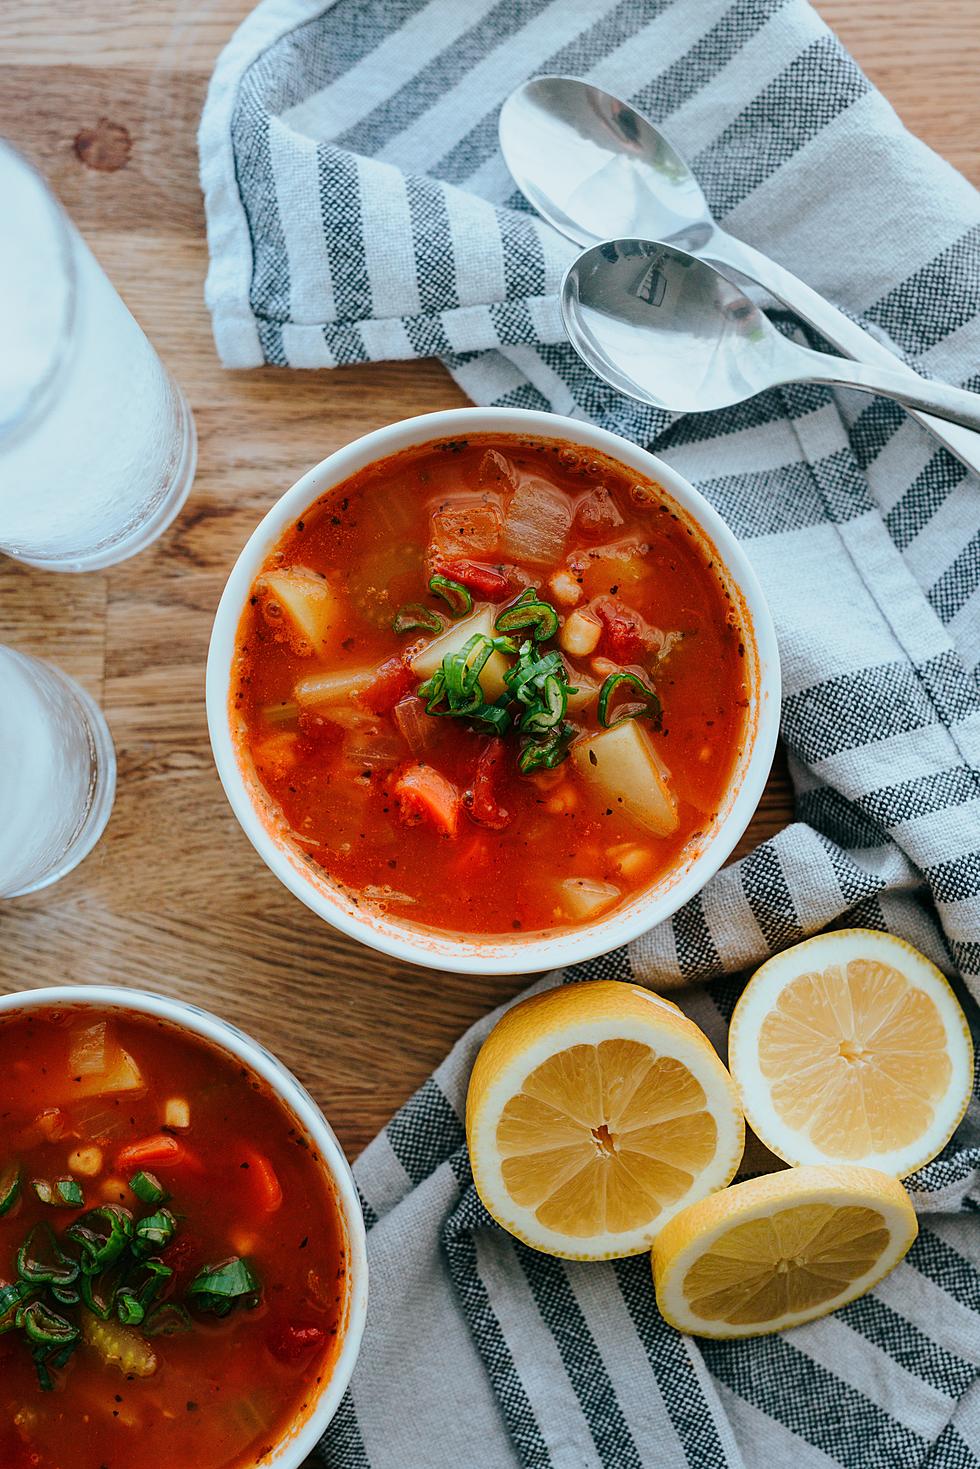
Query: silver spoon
[666,328]
[596,169]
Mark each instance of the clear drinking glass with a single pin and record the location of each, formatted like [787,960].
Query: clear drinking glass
[97,443]
[57,774]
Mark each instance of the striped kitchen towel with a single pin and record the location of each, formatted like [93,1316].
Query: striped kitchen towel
[358,208]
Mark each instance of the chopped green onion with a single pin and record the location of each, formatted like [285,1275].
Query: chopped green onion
[167,1320]
[12,1298]
[148,1188]
[650,706]
[414,616]
[530,611]
[459,598]
[550,711]
[70,1192]
[103,1234]
[40,1261]
[218,1288]
[454,690]
[9,1187]
[46,1328]
[65,1295]
[99,1291]
[157,1273]
[154,1232]
[128,1307]
[43,1190]
[546,754]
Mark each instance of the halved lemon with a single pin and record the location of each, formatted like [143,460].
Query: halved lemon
[780,1250]
[851,1048]
[596,1111]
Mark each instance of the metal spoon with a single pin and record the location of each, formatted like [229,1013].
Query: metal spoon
[596,169]
[666,328]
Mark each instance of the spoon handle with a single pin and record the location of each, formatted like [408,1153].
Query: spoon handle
[842,333]
[953,404]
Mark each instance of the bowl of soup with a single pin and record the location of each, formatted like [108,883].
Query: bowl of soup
[182,1253]
[493,690]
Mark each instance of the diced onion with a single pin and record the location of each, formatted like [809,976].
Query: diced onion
[539,518]
[584,897]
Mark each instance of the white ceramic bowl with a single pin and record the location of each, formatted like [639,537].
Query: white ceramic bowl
[301,1440]
[502,955]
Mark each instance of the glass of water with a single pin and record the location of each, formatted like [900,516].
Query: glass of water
[57,774]
[97,443]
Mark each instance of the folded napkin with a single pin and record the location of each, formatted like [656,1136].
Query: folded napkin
[358,208]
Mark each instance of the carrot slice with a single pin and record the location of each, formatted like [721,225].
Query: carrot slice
[425,795]
[263,1180]
[160,1151]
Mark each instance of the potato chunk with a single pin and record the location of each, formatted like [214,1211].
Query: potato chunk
[623,767]
[302,604]
[586,897]
[424,664]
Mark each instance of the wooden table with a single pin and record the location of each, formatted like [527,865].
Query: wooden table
[174,898]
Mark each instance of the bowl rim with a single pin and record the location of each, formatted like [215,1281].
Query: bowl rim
[291,1450]
[464,954]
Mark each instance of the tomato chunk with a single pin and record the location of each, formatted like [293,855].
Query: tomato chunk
[625,635]
[425,795]
[292,1343]
[484,806]
[390,684]
[482,579]
[158,1151]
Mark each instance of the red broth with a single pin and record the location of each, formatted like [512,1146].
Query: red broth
[430,816]
[93,1099]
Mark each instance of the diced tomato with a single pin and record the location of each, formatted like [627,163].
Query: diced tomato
[391,682]
[481,579]
[484,807]
[158,1151]
[292,1343]
[624,635]
[263,1182]
[425,795]
[185,1256]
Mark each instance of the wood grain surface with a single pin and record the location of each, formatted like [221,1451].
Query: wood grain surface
[174,898]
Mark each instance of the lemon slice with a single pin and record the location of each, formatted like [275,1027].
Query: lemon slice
[595,1112]
[780,1250]
[851,1048]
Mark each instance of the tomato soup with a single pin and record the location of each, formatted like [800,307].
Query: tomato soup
[173,1270]
[492,686]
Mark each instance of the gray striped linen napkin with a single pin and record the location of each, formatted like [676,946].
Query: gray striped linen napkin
[358,208]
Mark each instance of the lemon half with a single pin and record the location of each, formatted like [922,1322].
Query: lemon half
[852,1048]
[596,1111]
[776,1251]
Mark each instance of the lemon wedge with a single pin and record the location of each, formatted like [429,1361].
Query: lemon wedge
[596,1111]
[851,1048]
[776,1251]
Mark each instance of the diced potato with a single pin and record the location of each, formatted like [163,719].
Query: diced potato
[586,897]
[86,1161]
[303,600]
[338,686]
[424,664]
[177,1113]
[564,588]
[123,1075]
[623,767]
[581,633]
[119,1346]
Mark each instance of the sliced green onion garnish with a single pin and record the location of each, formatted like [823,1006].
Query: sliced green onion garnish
[9,1187]
[530,611]
[414,616]
[148,1188]
[40,1261]
[218,1288]
[551,710]
[459,598]
[70,1193]
[46,1328]
[65,1295]
[12,1297]
[103,1234]
[649,708]
[128,1307]
[545,754]
[99,1291]
[167,1320]
[154,1233]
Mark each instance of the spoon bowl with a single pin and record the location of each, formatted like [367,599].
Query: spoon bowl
[668,329]
[596,169]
